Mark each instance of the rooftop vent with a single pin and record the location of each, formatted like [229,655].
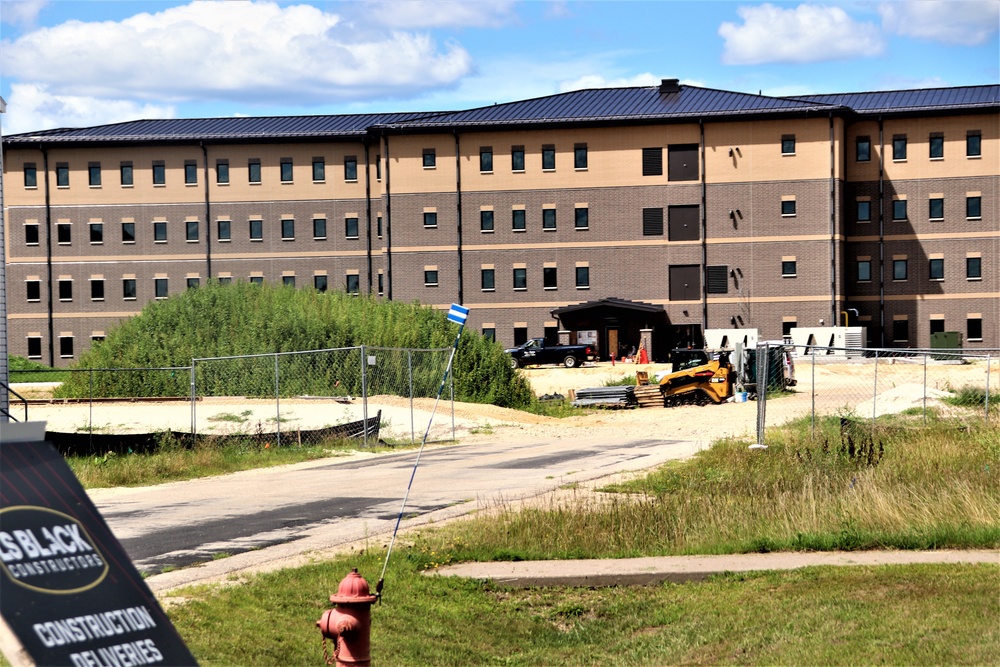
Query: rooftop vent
[670,86]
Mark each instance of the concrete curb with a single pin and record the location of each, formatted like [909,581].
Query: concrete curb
[678,569]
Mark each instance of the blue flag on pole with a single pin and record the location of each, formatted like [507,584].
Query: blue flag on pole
[458,314]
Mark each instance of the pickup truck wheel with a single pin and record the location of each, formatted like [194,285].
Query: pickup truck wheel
[514,363]
[570,361]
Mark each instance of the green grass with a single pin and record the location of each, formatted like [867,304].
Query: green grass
[971,397]
[905,615]
[25,370]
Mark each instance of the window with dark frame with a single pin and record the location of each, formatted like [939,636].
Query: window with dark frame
[936,269]
[378,225]
[652,222]
[430,277]
[320,283]
[65,346]
[319,169]
[225,230]
[937,326]
[864,272]
[288,280]
[351,227]
[548,157]
[253,170]
[65,290]
[190,172]
[33,290]
[160,287]
[936,145]
[128,288]
[352,283]
[900,269]
[62,174]
[319,228]
[519,220]
[430,219]
[256,280]
[900,331]
[974,144]
[974,328]
[125,172]
[160,232]
[193,282]
[788,267]
[381,283]
[287,171]
[652,161]
[973,207]
[430,158]
[973,268]
[94,174]
[899,147]
[34,347]
[899,209]
[128,232]
[520,279]
[486,221]
[30,175]
[788,207]
[583,277]
[64,233]
[548,218]
[935,208]
[96,233]
[489,333]
[517,158]
[487,280]
[788,144]
[256,230]
[581,218]
[378,167]
[288,229]
[864,211]
[222,172]
[225,280]
[191,231]
[31,236]
[159,172]
[549,278]
[486,159]
[580,156]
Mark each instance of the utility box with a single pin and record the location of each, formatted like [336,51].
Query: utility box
[946,340]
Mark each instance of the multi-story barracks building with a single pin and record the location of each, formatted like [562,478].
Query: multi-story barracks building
[673,208]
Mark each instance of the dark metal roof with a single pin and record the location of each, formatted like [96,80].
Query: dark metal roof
[228,129]
[618,104]
[908,101]
[610,302]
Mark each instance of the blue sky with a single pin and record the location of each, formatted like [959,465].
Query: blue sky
[68,64]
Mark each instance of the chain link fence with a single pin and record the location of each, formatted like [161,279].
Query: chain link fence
[873,386]
[288,398]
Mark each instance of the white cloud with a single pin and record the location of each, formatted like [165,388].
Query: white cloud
[440,13]
[33,107]
[963,22]
[598,81]
[807,33]
[253,52]
[20,12]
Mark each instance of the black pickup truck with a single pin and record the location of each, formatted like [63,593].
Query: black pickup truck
[535,352]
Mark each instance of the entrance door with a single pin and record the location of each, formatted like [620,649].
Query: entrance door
[612,347]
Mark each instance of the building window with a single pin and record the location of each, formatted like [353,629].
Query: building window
[34,347]
[96,233]
[190,172]
[65,346]
[288,281]
[899,209]
[353,283]
[430,278]
[788,144]
[225,280]
[487,280]
[652,222]
[128,289]
[489,333]
[33,289]
[517,158]
[97,289]
[350,168]
[486,159]
[319,228]
[191,231]
[31,234]
[549,280]
[652,161]
[936,146]
[128,232]
[378,225]
[581,218]
[286,170]
[430,219]
[548,218]
[65,290]
[788,207]
[486,221]
[160,232]
[864,211]
[899,269]
[64,234]
[935,208]
[973,207]
[583,277]
[520,336]
[160,287]
[973,144]
[682,162]
[899,147]
[580,156]
[351,228]
[159,173]
[62,174]
[548,157]
[937,326]
[125,171]
[256,230]
[319,170]
[519,220]
[225,230]
[320,283]
[974,268]
[430,158]
[788,268]
[253,171]
[256,280]
[193,282]
[30,175]
[381,283]
[936,270]
[378,167]
[717,278]
[864,270]
[94,174]
[222,172]
[287,230]
[520,279]
[974,328]
[900,331]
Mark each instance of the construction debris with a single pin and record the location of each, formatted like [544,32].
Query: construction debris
[606,397]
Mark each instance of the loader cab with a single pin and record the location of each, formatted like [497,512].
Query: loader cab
[684,358]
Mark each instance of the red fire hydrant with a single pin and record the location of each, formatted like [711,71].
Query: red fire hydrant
[350,624]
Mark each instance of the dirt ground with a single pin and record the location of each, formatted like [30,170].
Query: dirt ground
[841,386]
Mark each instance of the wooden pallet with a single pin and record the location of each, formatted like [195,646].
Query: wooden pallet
[649,396]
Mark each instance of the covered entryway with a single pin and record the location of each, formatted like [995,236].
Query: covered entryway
[614,325]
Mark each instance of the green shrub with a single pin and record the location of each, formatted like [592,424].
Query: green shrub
[245,319]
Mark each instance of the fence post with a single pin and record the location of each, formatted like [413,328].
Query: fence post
[194,396]
[90,429]
[812,353]
[875,391]
[453,404]
[988,361]
[364,396]
[762,361]
[925,388]
[409,368]
[277,399]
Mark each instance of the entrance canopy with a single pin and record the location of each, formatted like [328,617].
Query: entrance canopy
[615,324]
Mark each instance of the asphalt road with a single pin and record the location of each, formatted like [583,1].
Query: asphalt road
[265,519]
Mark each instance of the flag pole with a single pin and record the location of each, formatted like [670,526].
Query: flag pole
[456,314]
